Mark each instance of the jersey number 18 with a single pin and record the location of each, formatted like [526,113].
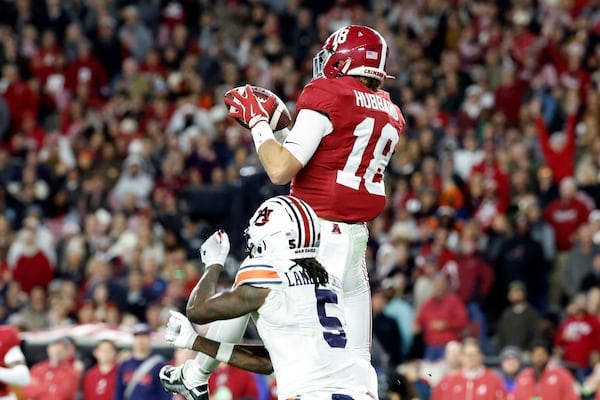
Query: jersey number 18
[382,153]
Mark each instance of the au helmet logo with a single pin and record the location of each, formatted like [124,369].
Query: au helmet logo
[263,216]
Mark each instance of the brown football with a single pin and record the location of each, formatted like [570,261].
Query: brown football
[279,116]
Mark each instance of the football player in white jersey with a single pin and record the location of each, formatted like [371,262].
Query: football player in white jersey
[294,301]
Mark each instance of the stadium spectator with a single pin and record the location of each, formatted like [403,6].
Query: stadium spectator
[424,284]
[510,366]
[385,329]
[559,148]
[399,309]
[54,378]
[565,214]
[31,266]
[471,278]
[99,381]
[34,316]
[579,261]
[473,380]
[519,324]
[541,231]
[578,336]
[522,259]
[441,319]
[134,34]
[443,370]
[544,379]
[138,386]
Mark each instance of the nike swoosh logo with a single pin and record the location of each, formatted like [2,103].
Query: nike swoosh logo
[292,143]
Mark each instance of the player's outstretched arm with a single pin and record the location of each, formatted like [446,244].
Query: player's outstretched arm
[181,333]
[225,305]
[253,358]
[204,305]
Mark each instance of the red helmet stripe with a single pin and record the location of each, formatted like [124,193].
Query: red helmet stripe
[304,220]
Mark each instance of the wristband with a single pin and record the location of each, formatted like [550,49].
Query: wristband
[261,132]
[224,353]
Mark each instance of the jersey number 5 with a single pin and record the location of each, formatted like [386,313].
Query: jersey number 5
[381,156]
[334,335]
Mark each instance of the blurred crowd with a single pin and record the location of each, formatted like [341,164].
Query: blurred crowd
[117,159]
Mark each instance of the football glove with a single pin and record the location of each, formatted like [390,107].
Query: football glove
[215,249]
[180,331]
[247,108]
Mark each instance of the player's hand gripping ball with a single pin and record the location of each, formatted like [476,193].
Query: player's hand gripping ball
[249,105]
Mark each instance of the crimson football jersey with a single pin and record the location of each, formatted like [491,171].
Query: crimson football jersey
[343,181]
[9,338]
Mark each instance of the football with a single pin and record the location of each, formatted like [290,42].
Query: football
[279,115]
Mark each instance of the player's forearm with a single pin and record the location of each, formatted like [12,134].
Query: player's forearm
[278,162]
[203,290]
[18,375]
[253,358]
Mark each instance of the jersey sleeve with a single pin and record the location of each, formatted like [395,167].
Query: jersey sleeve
[303,140]
[316,96]
[261,275]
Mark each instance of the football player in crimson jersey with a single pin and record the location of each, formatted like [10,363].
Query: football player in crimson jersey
[13,370]
[335,156]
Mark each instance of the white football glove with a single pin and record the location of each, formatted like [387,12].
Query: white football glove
[215,249]
[180,331]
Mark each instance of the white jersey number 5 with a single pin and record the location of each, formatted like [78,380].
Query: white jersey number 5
[382,153]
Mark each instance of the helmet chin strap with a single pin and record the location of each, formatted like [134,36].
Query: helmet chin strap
[345,67]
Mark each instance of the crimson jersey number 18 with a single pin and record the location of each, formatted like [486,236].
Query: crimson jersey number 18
[382,152]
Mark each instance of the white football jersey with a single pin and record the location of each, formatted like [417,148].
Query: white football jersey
[303,330]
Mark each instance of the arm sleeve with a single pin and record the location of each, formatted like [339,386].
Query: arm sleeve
[570,127]
[263,276]
[304,138]
[14,355]
[543,137]
[17,375]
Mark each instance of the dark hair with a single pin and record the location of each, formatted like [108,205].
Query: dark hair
[314,270]
[109,341]
[543,343]
[398,383]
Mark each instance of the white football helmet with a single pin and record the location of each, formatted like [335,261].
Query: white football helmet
[283,226]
